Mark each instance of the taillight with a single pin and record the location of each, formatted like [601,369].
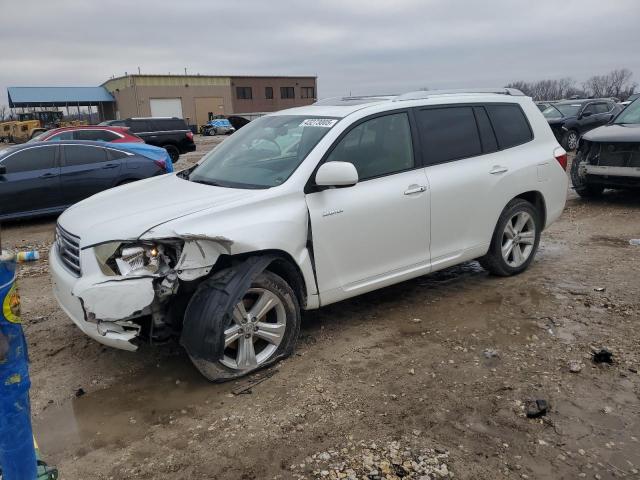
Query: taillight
[161,163]
[190,135]
[561,157]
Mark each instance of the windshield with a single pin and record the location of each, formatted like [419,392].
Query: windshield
[560,110]
[631,114]
[264,153]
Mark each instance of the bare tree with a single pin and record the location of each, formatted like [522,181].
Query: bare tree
[4,112]
[547,89]
[617,83]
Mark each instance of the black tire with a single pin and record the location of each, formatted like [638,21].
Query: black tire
[580,184]
[493,261]
[173,152]
[570,140]
[205,306]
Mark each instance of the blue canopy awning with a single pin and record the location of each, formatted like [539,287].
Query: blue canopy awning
[57,96]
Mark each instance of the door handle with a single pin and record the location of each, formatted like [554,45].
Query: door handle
[48,175]
[110,165]
[497,169]
[416,189]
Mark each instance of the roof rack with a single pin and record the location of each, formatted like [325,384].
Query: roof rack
[354,100]
[420,94]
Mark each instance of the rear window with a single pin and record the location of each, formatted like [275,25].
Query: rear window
[448,134]
[510,125]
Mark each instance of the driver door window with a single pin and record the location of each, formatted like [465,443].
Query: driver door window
[380,146]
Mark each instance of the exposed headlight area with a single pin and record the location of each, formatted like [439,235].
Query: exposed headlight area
[137,259]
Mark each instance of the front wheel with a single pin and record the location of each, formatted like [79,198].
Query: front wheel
[570,140]
[515,239]
[580,184]
[261,328]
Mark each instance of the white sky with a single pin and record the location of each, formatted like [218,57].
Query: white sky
[354,46]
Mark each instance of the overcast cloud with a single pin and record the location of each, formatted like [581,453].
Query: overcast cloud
[353,46]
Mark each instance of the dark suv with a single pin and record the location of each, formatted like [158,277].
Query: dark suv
[170,133]
[569,119]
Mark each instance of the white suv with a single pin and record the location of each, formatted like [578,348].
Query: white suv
[305,207]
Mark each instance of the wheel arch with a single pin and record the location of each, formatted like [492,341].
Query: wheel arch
[281,263]
[535,198]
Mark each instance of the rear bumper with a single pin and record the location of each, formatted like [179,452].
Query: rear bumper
[187,147]
[64,283]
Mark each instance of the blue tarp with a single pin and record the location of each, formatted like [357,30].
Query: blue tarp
[17,453]
[220,122]
[149,151]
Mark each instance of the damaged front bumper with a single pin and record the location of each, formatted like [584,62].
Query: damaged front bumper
[108,306]
[119,334]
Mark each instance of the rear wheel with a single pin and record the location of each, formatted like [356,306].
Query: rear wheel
[262,327]
[515,239]
[173,152]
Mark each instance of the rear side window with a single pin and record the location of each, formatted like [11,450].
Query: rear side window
[39,158]
[168,125]
[97,135]
[510,125]
[448,134]
[83,155]
[376,147]
[140,126]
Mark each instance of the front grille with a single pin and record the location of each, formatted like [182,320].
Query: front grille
[68,250]
[616,155]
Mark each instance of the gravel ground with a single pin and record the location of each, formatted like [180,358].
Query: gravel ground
[431,378]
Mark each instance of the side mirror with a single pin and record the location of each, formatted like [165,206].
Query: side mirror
[336,174]
[585,114]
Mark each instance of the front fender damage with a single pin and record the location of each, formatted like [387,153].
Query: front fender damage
[113,302]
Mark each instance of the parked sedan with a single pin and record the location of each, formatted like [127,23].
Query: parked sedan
[47,177]
[97,133]
[571,118]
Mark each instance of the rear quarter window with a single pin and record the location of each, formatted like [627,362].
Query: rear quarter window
[510,125]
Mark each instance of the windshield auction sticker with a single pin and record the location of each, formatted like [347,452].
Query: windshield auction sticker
[319,122]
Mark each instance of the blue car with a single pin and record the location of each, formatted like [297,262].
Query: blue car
[46,178]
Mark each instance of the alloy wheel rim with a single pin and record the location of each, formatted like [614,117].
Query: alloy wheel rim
[518,238]
[573,141]
[258,325]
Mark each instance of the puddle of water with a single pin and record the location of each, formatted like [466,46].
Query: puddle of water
[125,411]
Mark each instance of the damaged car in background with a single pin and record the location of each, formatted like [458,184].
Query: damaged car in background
[609,156]
[303,208]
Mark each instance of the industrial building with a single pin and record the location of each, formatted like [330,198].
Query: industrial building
[196,98]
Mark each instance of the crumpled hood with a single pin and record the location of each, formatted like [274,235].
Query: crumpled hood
[126,212]
[614,133]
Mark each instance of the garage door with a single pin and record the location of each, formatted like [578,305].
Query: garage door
[166,107]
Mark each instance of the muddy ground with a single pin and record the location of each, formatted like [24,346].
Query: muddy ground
[441,365]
